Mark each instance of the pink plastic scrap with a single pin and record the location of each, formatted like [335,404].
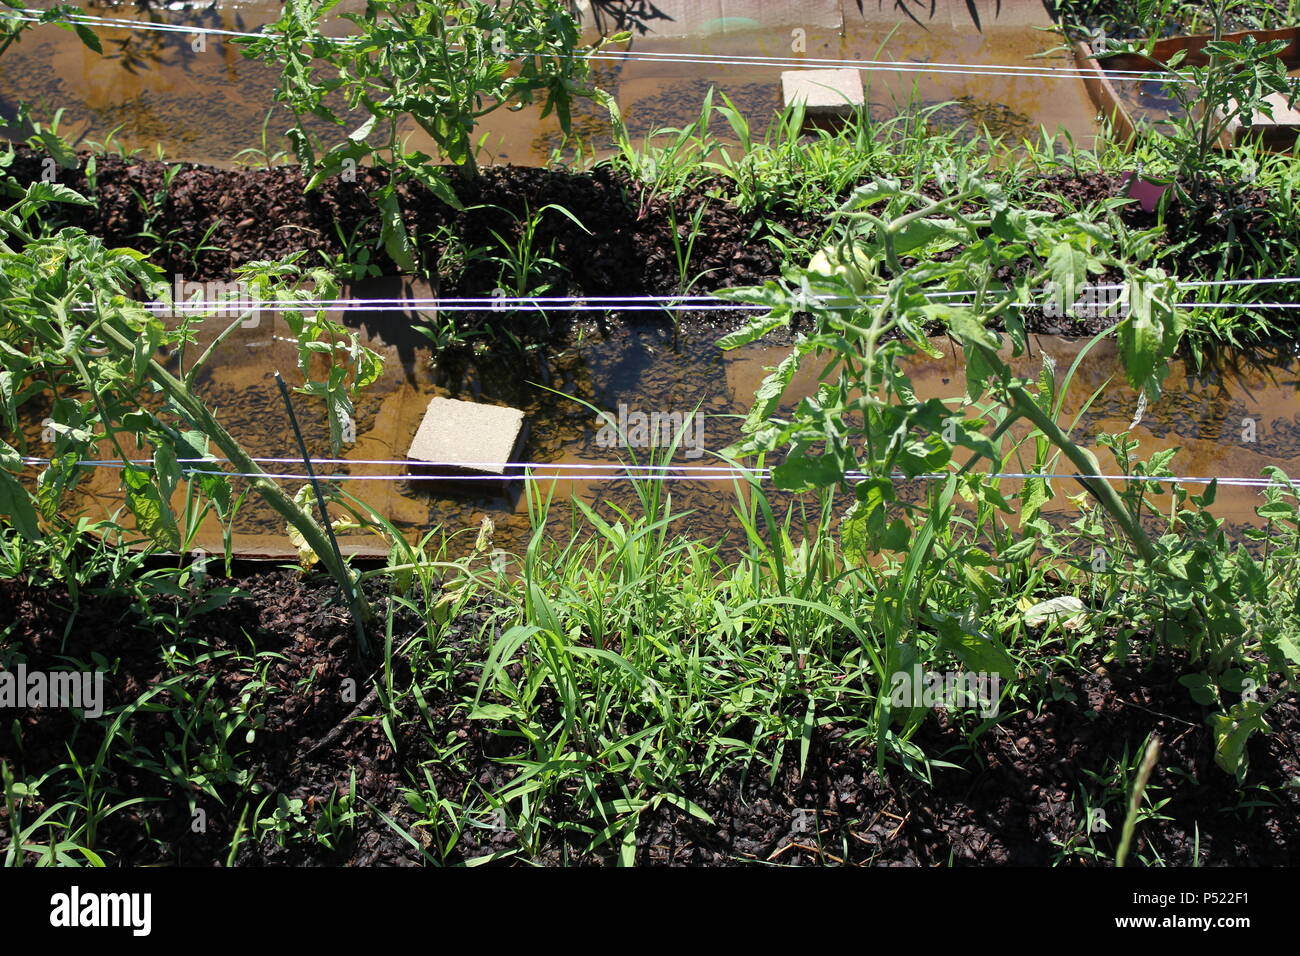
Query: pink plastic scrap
[1146,193]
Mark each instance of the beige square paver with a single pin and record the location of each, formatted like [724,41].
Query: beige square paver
[824,93]
[467,436]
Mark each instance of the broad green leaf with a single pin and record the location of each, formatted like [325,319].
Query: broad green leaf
[1019,551]
[40,192]
[1034,493]
[167,469]
[435,180]
[966,327]
[871,193]
[1203,690]
[58,148]
[16,507]
[977,651]
[153,515]
[393,230]
[88,37]
[491,712]
[1286,646]
[978,372]
[9,457]
[756,329]
[1068,266]
[1231,733]
[767,399]
[920,232]
[803,472]
[1057,608]
[1139,342]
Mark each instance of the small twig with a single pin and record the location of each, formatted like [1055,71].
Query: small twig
[341,727]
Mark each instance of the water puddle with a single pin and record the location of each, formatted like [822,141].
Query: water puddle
[206,105]
[158,91]
[1233,420]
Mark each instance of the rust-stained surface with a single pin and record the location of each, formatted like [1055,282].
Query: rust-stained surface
[1233,420]
[206,105]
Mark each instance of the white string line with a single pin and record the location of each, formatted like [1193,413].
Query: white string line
[1197,283]
[821,62]
[1236,305]
[986,69]
[591,302]
[414,461]
[228,309]
[719,473]
[117,23]
[893,68]
[236,309]
[470,304]
[1105,307]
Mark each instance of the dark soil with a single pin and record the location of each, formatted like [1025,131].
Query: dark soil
[208,221]
[1018,798]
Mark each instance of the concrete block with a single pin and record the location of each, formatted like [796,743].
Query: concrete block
[466,435]
[1279,132]
[824,93]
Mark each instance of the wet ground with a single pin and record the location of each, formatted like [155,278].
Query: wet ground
[198,104]
[199,100]
[1232,420]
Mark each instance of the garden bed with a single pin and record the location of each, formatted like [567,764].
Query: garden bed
[1019,797]
[212,221]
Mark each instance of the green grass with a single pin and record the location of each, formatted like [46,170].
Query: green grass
[622,671]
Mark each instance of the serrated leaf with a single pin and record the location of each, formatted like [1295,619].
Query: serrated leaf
[1068,266]
[1019,551]
[804,472]
[9,457]
[966,327]
[756,329]
[1286,646]
[392,230]
[920,232]
[40,192]
[767,398]
[1034,493]
[871,193]
[153,515]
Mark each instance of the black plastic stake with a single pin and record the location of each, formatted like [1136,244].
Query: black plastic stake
[349,594]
